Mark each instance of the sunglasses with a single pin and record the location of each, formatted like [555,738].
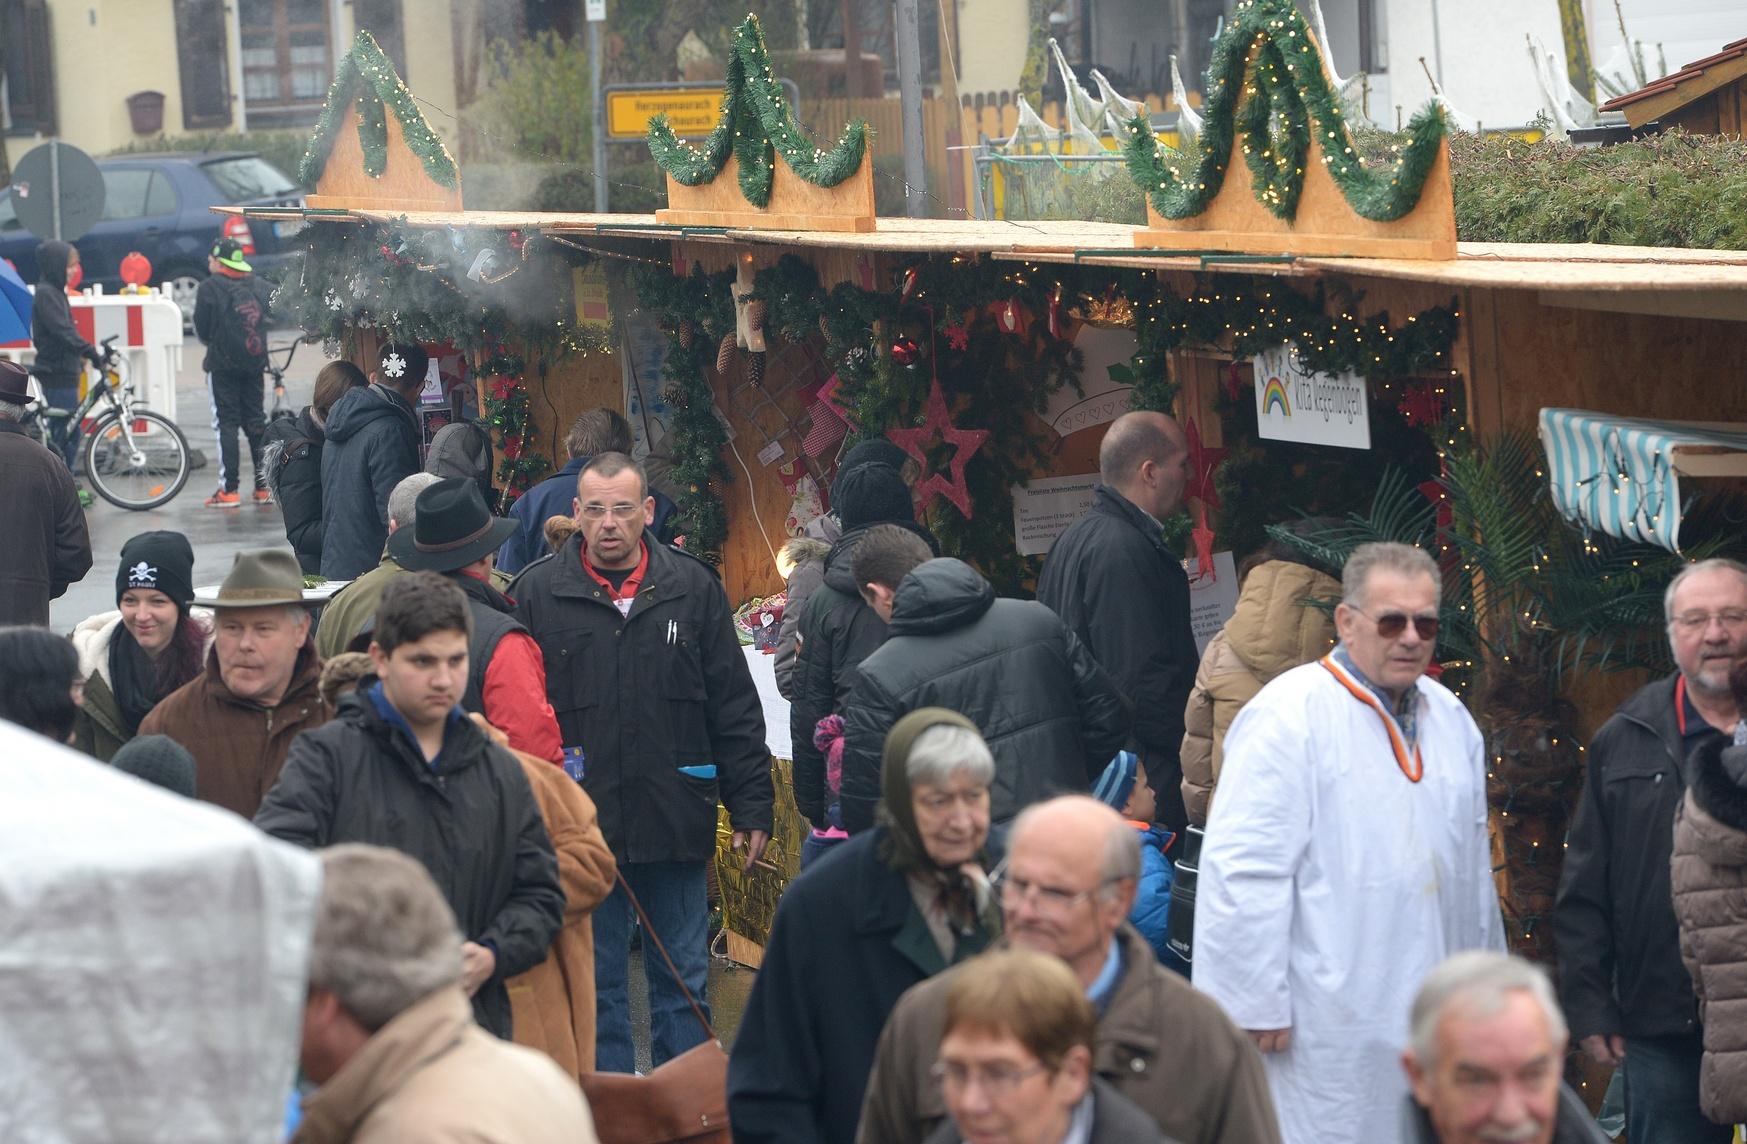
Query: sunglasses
[1392,624]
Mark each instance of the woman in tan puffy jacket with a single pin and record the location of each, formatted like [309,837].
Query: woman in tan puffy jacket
[1272,630]
[1709,875]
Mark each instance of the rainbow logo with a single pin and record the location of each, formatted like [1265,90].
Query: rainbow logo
[1274,393]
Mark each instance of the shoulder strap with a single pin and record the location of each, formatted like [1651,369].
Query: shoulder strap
[649,932]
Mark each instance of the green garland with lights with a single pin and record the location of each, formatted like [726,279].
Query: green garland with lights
[1275,106]
[757,127]
[998,380]
[412,285]
[367,76]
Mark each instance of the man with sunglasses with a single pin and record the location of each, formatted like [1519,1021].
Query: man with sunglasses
[659,719]
[1627,995]
[1346,856]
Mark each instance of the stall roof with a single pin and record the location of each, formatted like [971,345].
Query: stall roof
[1627,278]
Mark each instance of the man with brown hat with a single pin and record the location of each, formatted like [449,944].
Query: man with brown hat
[260,689]
[455,534]
[47,548]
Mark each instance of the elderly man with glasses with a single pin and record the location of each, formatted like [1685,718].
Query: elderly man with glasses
[659,720]
[1627,995]
[1065,890]
[1346,856]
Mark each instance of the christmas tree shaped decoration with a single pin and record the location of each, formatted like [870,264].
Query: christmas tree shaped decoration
[372,148]
[1271,113]
[757,169]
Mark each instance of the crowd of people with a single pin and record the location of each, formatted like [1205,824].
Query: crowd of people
[502,775]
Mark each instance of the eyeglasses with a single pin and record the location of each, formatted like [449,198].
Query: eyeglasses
[622,511]
[1390,625]
[1732,618]
[1051,898]
[996,1080]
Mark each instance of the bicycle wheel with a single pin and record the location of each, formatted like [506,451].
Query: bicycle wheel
[139,463]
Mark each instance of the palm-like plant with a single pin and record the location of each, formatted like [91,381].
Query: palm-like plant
[1529,603]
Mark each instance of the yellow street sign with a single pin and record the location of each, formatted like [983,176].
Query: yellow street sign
[692,111]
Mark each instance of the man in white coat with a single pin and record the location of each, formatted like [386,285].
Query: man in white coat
[1346,856]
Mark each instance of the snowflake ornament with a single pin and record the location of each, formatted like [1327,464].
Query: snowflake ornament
[394,366]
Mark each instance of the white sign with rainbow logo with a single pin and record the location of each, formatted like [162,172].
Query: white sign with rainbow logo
[1294,403]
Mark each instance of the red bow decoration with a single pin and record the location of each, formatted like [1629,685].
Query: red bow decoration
[938,425]
[1204,462]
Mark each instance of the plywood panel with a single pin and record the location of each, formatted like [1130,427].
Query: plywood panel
[795,204]
[1324,224]
[403,185]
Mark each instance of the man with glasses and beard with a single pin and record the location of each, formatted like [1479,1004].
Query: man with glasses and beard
[1627,995]
[1346,856]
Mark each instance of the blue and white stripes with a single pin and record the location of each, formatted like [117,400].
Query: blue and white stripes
[1617,474]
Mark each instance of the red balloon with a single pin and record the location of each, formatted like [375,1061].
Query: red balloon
[136,269]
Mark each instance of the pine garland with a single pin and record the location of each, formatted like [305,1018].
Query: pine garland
[367,77]
[1276,102]
[507,415]
[756,126]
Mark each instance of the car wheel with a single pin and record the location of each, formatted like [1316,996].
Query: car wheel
[182,283]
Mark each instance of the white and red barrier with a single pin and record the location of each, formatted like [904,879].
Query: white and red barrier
[150,339]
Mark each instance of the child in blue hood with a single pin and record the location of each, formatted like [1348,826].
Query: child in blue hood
[1123,785]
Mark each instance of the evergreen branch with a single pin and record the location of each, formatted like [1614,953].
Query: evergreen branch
[367,76]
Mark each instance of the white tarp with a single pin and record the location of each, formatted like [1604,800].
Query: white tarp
[153,959]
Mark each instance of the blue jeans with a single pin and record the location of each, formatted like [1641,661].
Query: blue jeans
[673,896]
[62,392]
[814,848]
[1662,1092]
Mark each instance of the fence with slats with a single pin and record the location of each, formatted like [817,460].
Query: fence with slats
[948,134]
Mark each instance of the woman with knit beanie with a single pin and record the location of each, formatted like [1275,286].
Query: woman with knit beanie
[133,657]
[882,911]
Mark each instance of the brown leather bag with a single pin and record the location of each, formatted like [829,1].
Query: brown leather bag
[685,1099]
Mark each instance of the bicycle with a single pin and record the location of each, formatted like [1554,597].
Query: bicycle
[276,373]
[134,458]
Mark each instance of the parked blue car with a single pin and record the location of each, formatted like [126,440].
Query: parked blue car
[157,204]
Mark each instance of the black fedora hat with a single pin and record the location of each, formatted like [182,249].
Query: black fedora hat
[453,528]
[14,383]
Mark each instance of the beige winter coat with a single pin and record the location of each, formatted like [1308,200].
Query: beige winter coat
[1271,632]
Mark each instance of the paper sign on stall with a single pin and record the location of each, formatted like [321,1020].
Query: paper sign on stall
[1043,510]
[1212,598]
[1295,403]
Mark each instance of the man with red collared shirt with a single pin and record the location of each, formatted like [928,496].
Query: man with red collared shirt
[660,718]
[455,534]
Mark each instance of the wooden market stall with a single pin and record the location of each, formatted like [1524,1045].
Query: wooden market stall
[766,336]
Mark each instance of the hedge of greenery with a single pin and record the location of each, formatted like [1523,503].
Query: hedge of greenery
[283,149]
[1665,190]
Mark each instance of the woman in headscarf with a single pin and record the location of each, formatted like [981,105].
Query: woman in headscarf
[134,657]
[881,912]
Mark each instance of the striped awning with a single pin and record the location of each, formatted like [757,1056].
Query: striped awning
[1621,475]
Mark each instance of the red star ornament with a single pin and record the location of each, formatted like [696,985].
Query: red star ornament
[938,425]
[1445,517]
[958,337]
[1421,405]
[1204,462]
[1203,538]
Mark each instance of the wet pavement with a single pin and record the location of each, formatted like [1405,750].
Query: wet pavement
[214,533]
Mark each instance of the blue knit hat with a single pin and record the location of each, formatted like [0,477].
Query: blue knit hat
[1117,782]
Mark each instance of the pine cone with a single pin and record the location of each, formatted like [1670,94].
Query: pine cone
[674,396]
[755,311]
[824,326]
[685,335]
[755,368]
[725,354]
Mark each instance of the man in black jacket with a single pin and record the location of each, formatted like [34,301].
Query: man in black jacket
[58,343]
[1051,716]
[1627,995]
[1117,586]
[837,631]
[659,716]
[403,766]
[47,545]
[372,444]
[230,316]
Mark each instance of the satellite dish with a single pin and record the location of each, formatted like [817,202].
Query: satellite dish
[57,192]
